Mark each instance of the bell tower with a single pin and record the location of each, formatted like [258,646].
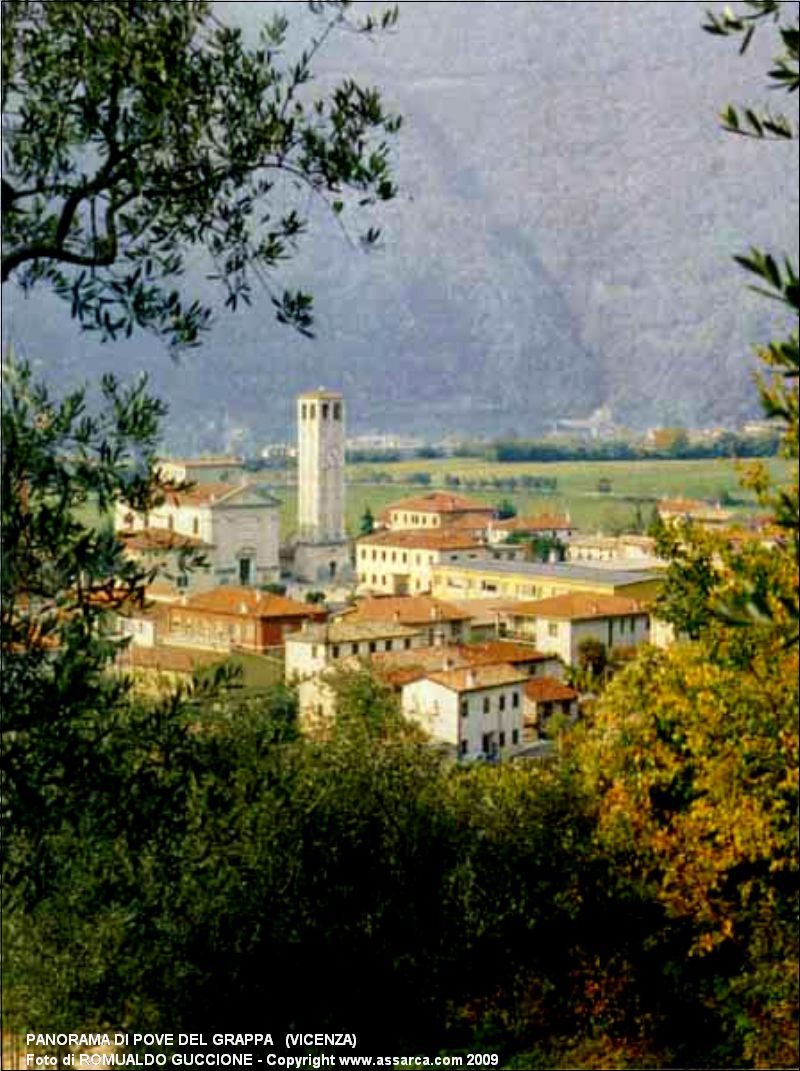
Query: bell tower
[322,552]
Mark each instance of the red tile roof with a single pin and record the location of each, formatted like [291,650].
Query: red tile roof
[419,539]
[160,539]
[548,690]
[473,679]
[406,609]
[495,651]
[203,494]
[580,607]
[230,599]
[441,502]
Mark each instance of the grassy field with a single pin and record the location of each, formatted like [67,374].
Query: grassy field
[634,484]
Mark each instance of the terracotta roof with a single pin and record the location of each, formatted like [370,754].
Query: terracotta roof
[580,607]
[400,667]
[548,690]
[472,679]
[494,651]
[419,539]
[230,599]
[205,494]
[441,502]
[545,522]
[160,539]
[405,609]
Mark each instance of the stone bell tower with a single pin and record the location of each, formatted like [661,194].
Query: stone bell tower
[322,552]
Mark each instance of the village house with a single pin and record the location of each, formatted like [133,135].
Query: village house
[318,648]
[444,623]
[543,526]
[401,667]
[672,510]
[636,549]
[475,710]
[544,698]
[440,510]
[536,580]
[180,561]
[233,526]
[560,624]
[236,619]
[400,562]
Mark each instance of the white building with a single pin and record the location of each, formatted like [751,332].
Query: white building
[560,624]
[322,552]
[316,649]
[234,527]
[476,710]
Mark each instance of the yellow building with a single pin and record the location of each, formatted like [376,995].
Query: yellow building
[537,580]
[400,563]
[442,510]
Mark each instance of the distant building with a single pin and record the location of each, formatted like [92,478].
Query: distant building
[625,551]
[222,469]
[233,526]
[545,525]
[439,510]
[694,510]
[322,552]
[560,624]
[236,618]
[536,580]
[476,710]
[546,697]
[400,562]
[444,623]
[317,649]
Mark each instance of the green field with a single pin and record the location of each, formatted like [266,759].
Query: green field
[634,484]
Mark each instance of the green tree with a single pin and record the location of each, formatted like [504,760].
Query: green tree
[136,134]
[367,523]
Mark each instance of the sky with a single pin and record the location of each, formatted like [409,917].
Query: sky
[562,238]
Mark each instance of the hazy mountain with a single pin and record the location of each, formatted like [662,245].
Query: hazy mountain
[563,237]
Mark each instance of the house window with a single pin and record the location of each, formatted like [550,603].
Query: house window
[373,647]
[464,746]
[353,648]
[552,628]
[486,705]
[388,645]
[464,708]
[182,581]
[324,410]
[337,410]
[515,699]
[502,739]
[407,644]
[303,412]
[486,743]
[311,412]
[502,703]
[170,523]
[195,526]
[335,650]
[245,571]
[515,736]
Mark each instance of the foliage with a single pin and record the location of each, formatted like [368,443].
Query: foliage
[505,510]
[315,598]
[366,705]
[367,522]
[137,134]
